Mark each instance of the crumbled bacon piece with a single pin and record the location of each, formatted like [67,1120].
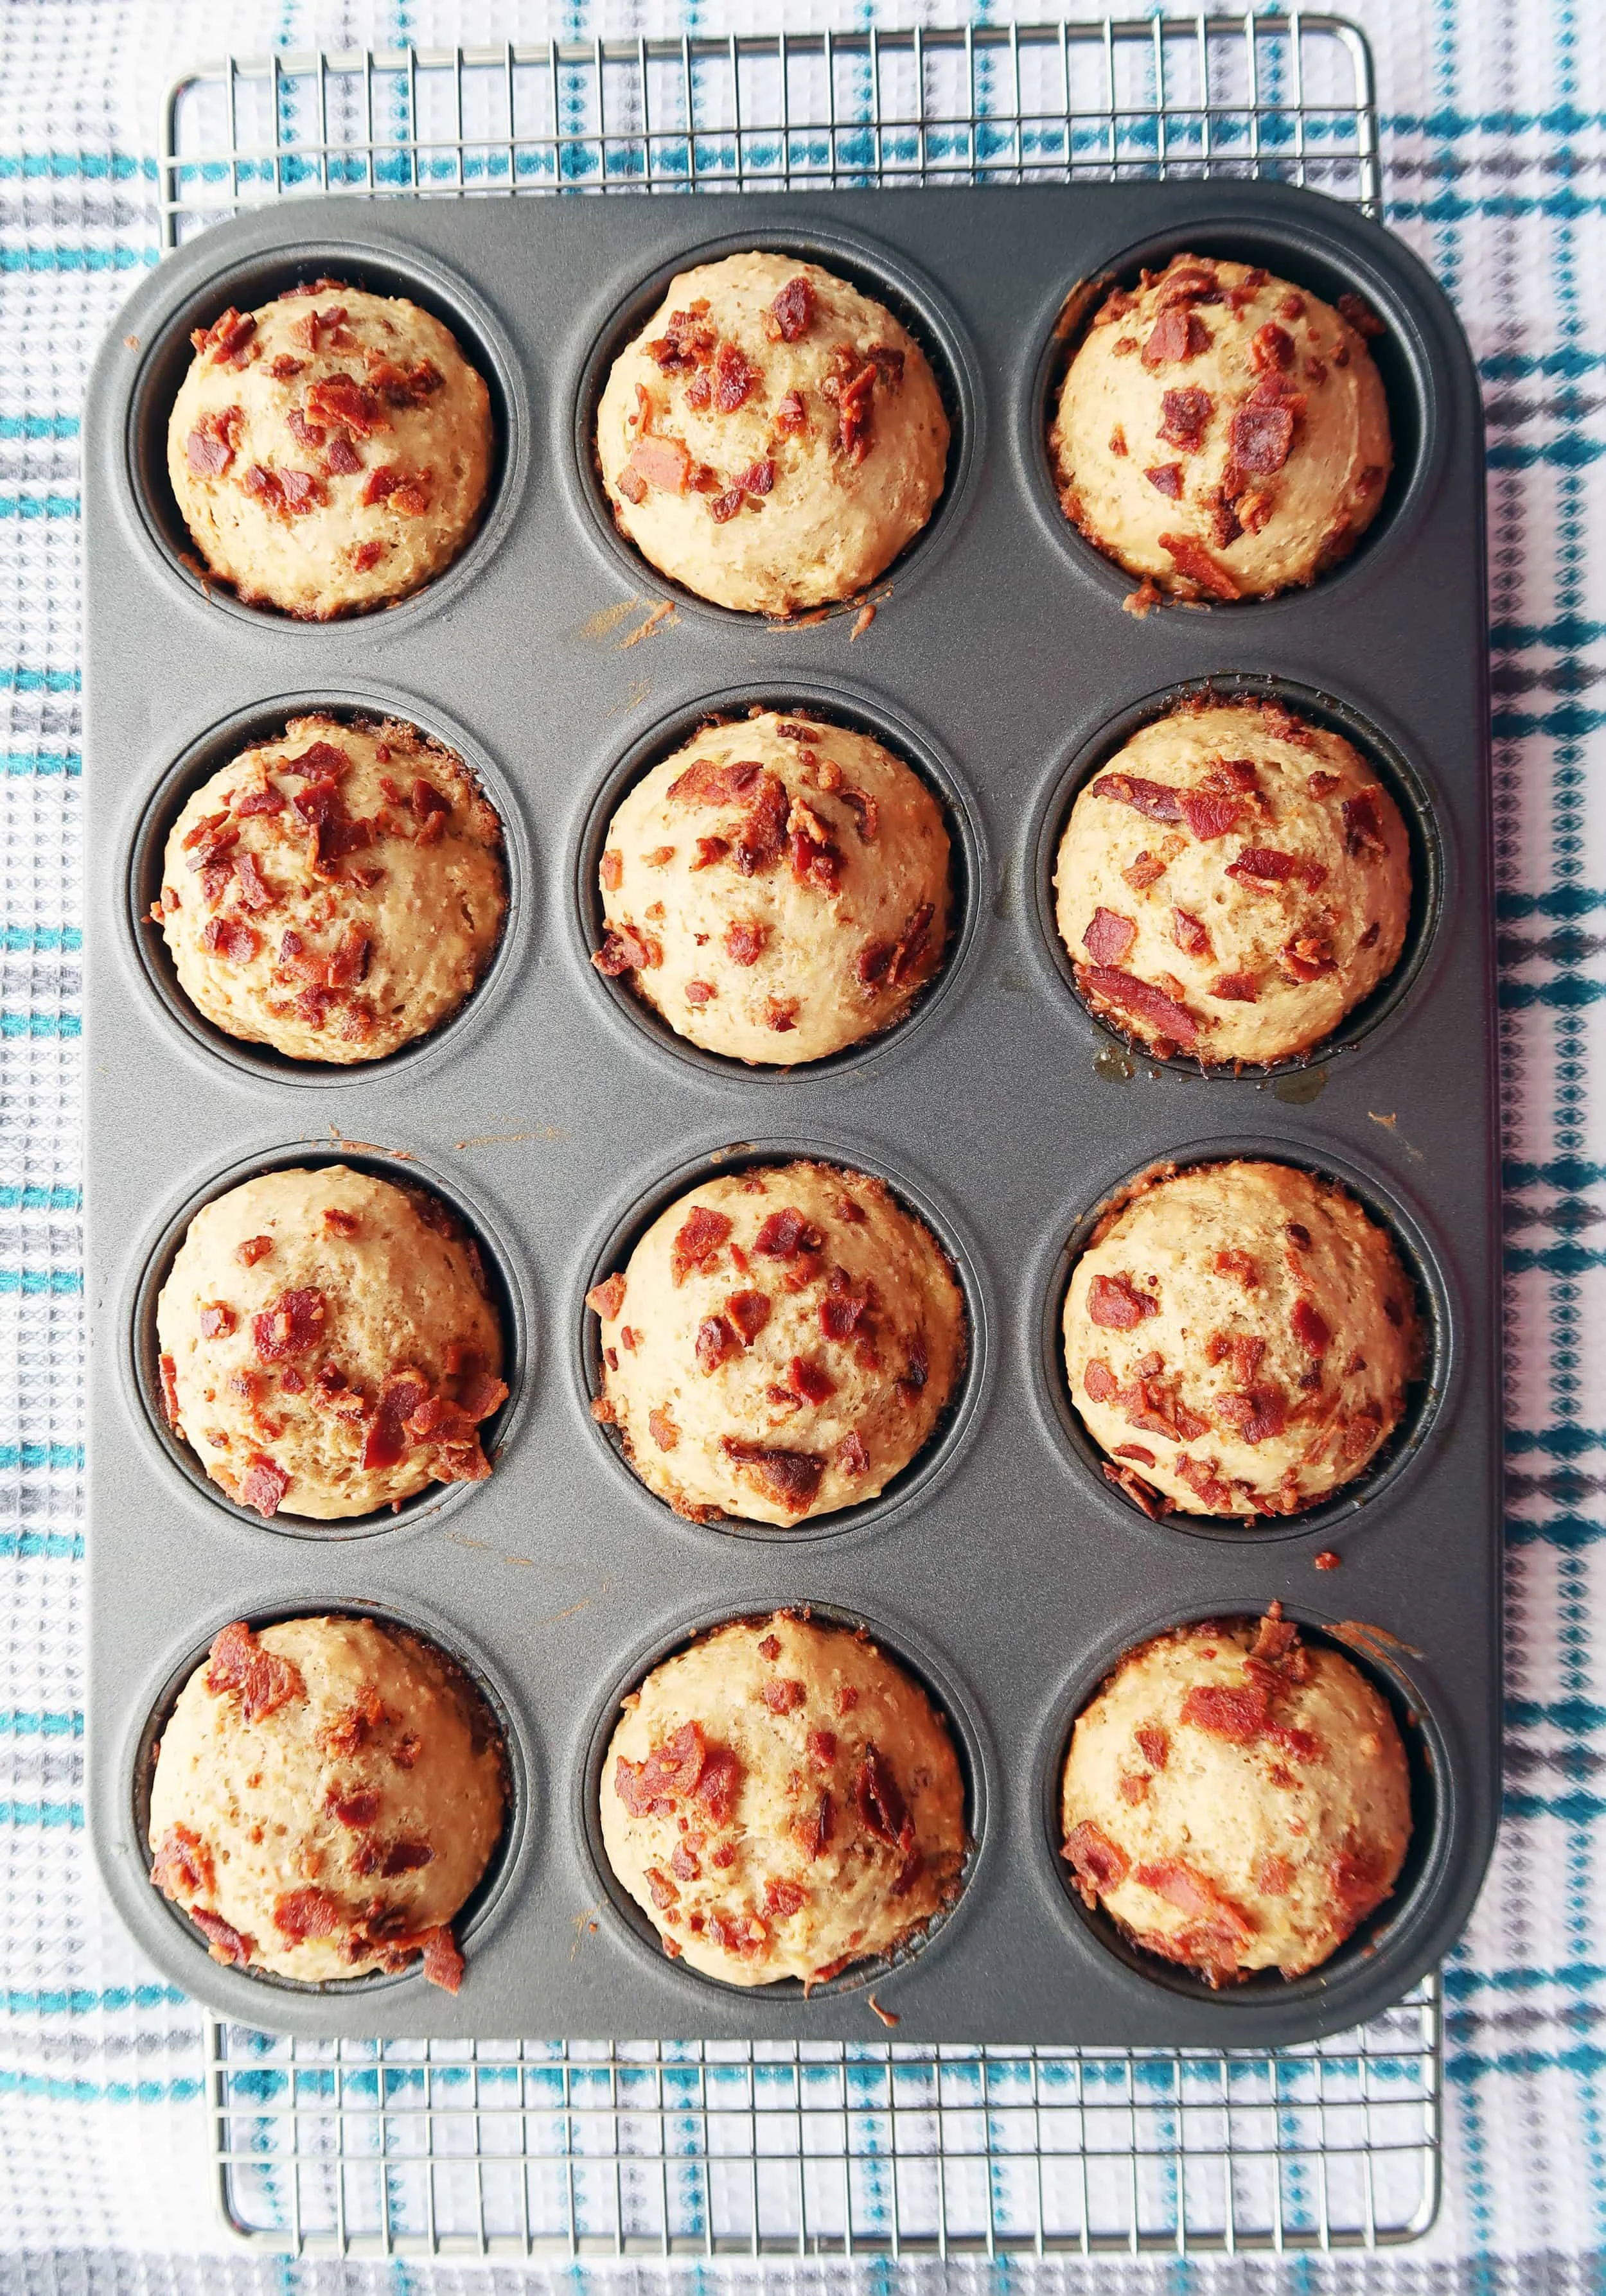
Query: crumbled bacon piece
[716,1342]
[1165,477]
[1113,1303]
[606,1298]
[1158,801]
[442,1959]
[722,508]
[733,379]
[813,1832]
[782,1697]
[226,337]
[1185,417]
[1178,334]
[1362,317]
[1208,815]
[224,1943]
[852,1459]
[1311,1327]
[1099,1382]
[793,310]
[670,1772]
[340,402]
[1189,933]
[879,1801]
[790,1478]
[406,1857]
[698,1242]
[662,1429]
[1240,1714]
[290,1325]
[231,938]
[1108,936]
[1262,429]
[1154,1744]
[1194,563]
[209,448]
[1271,348]
[1258,1414]
[385,1442]
[758,478]
[1095,1860]
[809,1381]
[687,342]
[664,463]
[353,1810]
[749,1311]
[1192,1892]
[716,1790]
[239,1667]
[1363,830]
[1264,865]
[183,1861]
[624,949]
[784,1234]
[1124,990]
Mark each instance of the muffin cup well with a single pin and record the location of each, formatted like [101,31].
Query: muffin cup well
[142,1375]
[480,1909]
[1306,255]
[1389,1939]
[860,714]
[146,945]
[911,299]
[1425,1399]
[940,1684]
[248,285]
[949,1439]
[1429,863]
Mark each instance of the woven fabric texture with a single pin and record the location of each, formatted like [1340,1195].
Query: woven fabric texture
[1496,149]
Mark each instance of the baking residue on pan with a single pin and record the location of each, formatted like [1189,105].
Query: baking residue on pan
[1114,1065]
[1377,1644]
[606,619]
[509,1139]
[1390,1123]
[372,1147]
[1299,1090]
[661,616]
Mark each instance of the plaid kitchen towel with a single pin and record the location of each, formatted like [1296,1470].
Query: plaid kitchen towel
[1495,148]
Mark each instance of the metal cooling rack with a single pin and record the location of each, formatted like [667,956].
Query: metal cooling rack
[1289,96]
[692,2149]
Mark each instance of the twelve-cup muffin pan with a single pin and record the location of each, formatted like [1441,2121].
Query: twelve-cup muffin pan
[557,1116]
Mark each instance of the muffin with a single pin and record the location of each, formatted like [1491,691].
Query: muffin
[1238,1338]
[331,451]
[1222,433]
[781,1800]
[773,439]
[327,1795]
[1236,1800]
[1232,883]
[781,1343]
[335,894]
[328,1344]
[778,889]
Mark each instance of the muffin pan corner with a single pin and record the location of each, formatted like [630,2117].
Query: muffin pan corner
[1001,659]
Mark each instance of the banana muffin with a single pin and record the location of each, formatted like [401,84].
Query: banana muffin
[1236,1800]
[781,1343]
[1232,883]
[330,452]
[1238,1338]
[782,1800]
[335,894]
[773,439]
[328,1343]
[329,1793]
[778,889]
[1223,433]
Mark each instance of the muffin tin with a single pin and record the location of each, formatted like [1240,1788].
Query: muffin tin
[556,1117]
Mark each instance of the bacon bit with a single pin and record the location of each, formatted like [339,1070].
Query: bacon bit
[1117,440]
[1158,801]
[686,341]
[782,1697]
[1136,1451]
[733,379]
[1154,1744]
[789,415]
[1235,988]
[1172,1021]
[664,463]
[1271,349]
[809,1381]
[1098,1382]
[1189,934]
[790,1478]
[224,1943]
[231,938]
[239,1665]
[697,1244]
[1140,603]
[1179,334]
[1108,936]
[1195,563]
[443,1960]
[226,337]
[1310,1327]
[1362,317]
[1258,1414]
[843,1308]
[1132,1789]
[673,1770]
[813,861]
[716,1791]
[1192,1892]
[724,507]
[341,403]
[770,1648]
[852,1459]
[792,312]
[1166,479]
[426,802]
[784,1234]
[1262,433]
[183,1861]
[783,1899]
[749,1312]
[1327,1560]
[662,1429]
[625,950]
[1363,830]
[1095,1860]
[1264,865]
[1239,1715]
[385,1444]
[290,1325]
[1113,1303]
[1210,816]
[1185,417]
[209,448]
[606,1298]
[880,1803]
[1240,1349]
[758,478]
[354,1810]
[716,1342]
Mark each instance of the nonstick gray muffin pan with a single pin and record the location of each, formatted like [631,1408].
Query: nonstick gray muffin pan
[557,1116]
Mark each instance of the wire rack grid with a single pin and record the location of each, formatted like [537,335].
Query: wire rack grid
[691,2149]
[1286,95]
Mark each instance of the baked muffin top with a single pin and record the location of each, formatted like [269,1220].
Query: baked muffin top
[328,1794]
[1233,882]
[773,439]
[335,894]
[1239,1338]
[781,1343]
[778,889]
[1236,1799]
[1221,432]
[330,451]
[328,1343]
[781,1800]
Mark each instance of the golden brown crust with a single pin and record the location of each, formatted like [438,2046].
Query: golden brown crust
[782,1342]
[337,893]
[778,889]
[773,439]
[782,1800]
[1222,433]
[1238,1338]
[330,452]
[1232,883]
[1235,1799]
[328,1794]
[328,1345]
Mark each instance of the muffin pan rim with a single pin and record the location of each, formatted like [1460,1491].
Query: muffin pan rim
[1435,874]
[935,1673]
[488,1901]
[149,1264]
[608,1246]
[901,287]
[482,339]
[1388,1937]
[217,746]
[853,710]
[1395,522]
[1430,1401]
